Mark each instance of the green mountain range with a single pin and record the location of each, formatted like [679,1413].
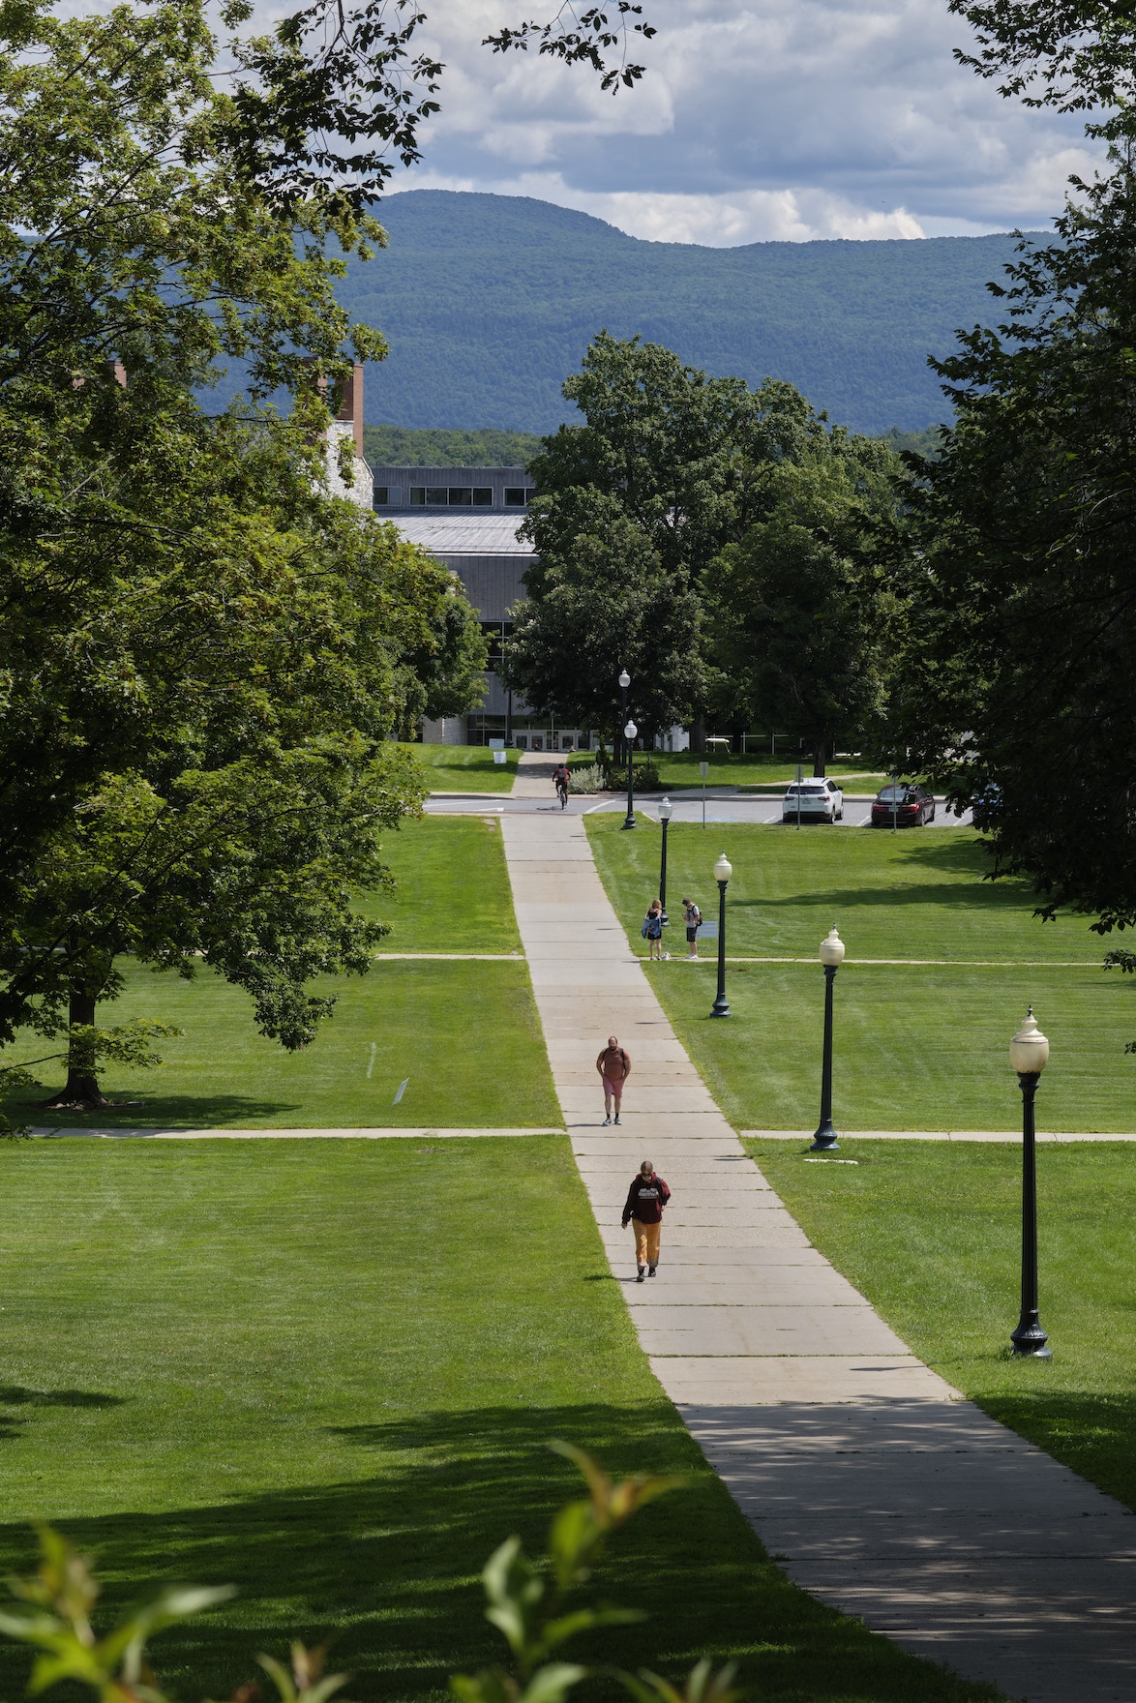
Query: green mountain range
[489,301]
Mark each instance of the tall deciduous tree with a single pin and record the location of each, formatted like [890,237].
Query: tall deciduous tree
[1020,685]
[801,611]
[634,504]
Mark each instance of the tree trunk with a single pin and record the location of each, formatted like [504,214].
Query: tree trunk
[698,734]
[820,751]
[82,1081]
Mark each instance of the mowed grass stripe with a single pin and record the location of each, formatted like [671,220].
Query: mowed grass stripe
[914,895]
[918,1045]
[467,1036]
[914,1047]
[329,1373]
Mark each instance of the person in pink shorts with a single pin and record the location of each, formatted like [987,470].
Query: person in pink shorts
[614,1066]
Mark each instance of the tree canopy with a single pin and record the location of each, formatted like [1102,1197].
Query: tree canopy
[204,654]
[671,526]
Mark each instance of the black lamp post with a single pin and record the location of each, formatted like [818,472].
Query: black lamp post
[624,683]
[665,809]
[629,733]
[723,869]
[831,956]
[1029,1054]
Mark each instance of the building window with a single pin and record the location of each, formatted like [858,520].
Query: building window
[460,496]
[417,496]
[530,493]
[495,632]
[482,496]
[437,495]
[514,497]
[391,495]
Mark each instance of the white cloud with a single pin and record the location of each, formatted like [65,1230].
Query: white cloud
[756,120]
[714,221]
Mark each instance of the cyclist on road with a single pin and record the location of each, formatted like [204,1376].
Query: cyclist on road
[560,781]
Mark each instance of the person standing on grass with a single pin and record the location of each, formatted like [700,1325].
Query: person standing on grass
[614,1066]
[692,916]
[646,1198]
[653,929]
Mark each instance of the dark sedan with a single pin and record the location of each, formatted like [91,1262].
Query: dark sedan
[902,807]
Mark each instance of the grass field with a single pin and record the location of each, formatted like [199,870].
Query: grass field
[917,1046]
[679,769]
[466,1034]
[466,768]
[930,1233]
[426,1021]
[453,891]
[328,1373]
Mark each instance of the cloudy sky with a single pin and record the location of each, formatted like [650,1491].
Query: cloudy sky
[756,120]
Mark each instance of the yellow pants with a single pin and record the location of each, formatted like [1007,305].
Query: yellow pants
[646,1242]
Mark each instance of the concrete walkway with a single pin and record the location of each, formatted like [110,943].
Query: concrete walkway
[882,1492]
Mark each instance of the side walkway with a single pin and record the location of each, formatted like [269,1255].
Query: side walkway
[886,1495]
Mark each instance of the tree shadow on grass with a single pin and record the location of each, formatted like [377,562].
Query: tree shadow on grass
[16,1395]
[185,1111]
[389,1566]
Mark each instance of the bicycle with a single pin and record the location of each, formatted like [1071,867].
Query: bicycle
[562,794]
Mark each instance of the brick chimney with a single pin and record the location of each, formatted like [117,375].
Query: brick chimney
[351,406]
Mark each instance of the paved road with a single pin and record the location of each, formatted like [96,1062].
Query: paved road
[857,811]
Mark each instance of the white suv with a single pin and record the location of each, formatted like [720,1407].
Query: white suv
[813,801]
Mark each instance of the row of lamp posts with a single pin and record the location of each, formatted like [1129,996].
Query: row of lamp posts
[1029,1054]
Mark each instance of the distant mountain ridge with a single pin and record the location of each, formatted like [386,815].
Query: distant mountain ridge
[489,302]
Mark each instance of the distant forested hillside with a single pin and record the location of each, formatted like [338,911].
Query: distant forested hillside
[488,301]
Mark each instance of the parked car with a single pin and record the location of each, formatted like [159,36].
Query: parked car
[904,806]
[813,801]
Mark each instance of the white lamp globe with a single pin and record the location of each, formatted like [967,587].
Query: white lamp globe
[665,808]
[723,869]
[1029,1049]
[625,679]
[630,730]
[832,950]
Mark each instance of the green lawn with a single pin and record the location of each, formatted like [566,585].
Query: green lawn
[917,1046]
[466,1034]
[466,768]
[425,1021]
[930,1233]
[453,892]
[679,769]
[328,1373]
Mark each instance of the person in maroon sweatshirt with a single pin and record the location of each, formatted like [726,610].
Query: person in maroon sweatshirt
[646,1198]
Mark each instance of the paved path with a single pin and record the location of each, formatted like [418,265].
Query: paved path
[885,1495]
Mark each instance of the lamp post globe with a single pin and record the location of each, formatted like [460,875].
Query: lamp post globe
[623,682]
[629,732]
[723,869]
[831,955]
[1029,1055]
[666,809]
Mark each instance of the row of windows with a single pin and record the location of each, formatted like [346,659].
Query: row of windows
[452,496]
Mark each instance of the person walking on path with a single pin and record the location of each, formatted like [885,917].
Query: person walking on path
[653,929]
[646,1198]
[614,1066]
[692,916]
